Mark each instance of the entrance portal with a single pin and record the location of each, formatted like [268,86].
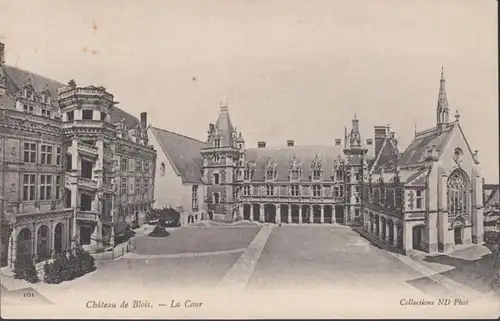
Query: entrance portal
[339,214]
[417,237]
[58,237]
[85,233]
[458,235]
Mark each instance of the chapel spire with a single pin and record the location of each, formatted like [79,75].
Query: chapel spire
[442,105]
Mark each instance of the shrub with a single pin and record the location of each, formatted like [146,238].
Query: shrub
[24,269]
[52,273]
[87,262]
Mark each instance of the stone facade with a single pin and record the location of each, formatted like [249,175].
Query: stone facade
[430,198]
[59,146]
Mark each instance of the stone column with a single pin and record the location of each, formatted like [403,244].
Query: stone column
[261,213]
[278,214]
[300,214]
[12,251]
[289,214]
[241,211]
[322,217]
[311,214]
[333,214]
[251,212]
[379,234]
[74,155]
[395,232]
[387,230]
[34,247]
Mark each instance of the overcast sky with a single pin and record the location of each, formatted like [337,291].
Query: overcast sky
[289,69]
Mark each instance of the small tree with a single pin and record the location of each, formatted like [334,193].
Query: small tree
[87,262]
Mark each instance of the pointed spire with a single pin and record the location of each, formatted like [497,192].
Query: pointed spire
[442,105]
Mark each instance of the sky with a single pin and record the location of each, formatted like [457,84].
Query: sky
[288,69]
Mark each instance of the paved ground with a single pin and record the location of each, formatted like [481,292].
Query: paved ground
[269,257]
[197,239]
[325,256]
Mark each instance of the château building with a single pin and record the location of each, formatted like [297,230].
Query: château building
[429,198]
[74,166]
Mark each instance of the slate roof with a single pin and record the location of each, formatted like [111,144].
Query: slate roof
[387,157]
[491,192]
[284,155]
[17,78]
[416,152]
[183,152]
[225,128]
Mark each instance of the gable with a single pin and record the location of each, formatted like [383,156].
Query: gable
[457,143]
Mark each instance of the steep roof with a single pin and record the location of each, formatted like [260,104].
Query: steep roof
[416,152]
[491,194]
[17,78]
[283,156]
[388,155]
[224,127]
[184,153]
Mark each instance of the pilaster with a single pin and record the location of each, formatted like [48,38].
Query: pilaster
[322,217]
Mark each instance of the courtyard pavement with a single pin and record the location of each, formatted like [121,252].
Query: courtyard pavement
[257,257]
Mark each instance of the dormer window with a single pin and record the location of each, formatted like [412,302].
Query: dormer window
[217,142]
[216,158]
[246,174]
[25,93]
[339,173]
[269,174]
[316,174]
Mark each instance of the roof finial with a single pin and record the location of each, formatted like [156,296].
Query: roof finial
[442,73]
[355,116]
[223,106]
[457,115]
[415,126]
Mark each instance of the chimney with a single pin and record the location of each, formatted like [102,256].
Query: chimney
[261,144]
[289,143]
[338,141]
[371,148]
[144,120]
[380,134]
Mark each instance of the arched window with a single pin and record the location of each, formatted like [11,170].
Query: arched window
[216,179]
[458,195]
[216,198]
[162,169]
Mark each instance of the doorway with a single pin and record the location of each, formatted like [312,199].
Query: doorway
[417,237]
[458,231]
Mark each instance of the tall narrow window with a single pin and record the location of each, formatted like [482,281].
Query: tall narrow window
[29,152]
[58,155]
[217,142]
[124,164]
[340,174]
[45,187]
[270,174]
[216,158]
[294,190]
[58,187]
[138,186]
[316,189]
[138,165]
[399,197]
[70,115]
[216,179]
[123,186]
[194,198]
[420,199]
[146,186]
[246,174]
[46,154]
[28,187]
[216,198]
[270,190]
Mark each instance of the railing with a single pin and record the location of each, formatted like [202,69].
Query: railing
[87,182]
[87,148]
[41,119]
[87,216]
